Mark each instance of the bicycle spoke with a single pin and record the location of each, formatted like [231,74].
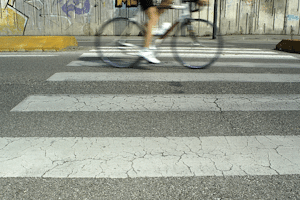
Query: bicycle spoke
[196,49]
[123,51]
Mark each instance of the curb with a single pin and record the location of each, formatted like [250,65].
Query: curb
[36,43]
[289,46]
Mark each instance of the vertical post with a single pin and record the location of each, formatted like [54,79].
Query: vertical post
[215,19]
[285,18]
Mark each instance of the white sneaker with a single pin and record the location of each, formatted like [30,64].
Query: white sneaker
[149,55]
[161,30]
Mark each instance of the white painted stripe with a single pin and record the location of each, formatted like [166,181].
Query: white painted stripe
[163,76]
[172,102]
[120,157]
[29,55]
[197,48]
[257,65]
[79,63]
[214,44]
[197,51]
[197,55]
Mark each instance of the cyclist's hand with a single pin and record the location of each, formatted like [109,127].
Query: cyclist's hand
[202,2]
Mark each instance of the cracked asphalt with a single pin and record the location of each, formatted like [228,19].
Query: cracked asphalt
[150,157]
[156,103]
[27,76]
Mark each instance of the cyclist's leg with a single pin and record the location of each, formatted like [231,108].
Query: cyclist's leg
[153,14]
[153,17]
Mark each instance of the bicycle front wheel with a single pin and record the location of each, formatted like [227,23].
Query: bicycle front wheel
[193,47]
[119,41]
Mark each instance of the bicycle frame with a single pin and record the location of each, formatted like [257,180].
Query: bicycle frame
[186,9]
[186,13]
[189,26]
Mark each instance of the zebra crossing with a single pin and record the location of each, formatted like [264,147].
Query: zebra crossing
[165,53]
[168,156]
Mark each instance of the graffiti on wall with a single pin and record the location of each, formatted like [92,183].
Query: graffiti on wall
[70,8]
[75,6]
[56,17]
[292,17]
[12,21]
[37,4]
[129,3]
[248,2]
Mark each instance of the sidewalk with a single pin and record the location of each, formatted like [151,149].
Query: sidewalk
[69,43]
[285,43]
[257,38]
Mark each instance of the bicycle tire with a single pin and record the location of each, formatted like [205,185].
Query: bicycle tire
[121,49]
[197,50]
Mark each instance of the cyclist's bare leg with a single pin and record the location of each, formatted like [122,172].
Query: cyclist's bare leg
[153,17]
[153,14]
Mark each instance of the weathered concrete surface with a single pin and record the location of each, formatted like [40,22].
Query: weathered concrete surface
[32,43]
[289,45]
[158,103]
[136,157]
[66,17]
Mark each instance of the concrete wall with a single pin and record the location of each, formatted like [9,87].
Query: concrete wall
[259,17]
[84,17]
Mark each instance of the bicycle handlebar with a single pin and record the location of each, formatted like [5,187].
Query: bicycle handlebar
[179,7]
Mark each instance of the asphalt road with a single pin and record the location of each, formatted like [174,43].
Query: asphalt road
[25,74]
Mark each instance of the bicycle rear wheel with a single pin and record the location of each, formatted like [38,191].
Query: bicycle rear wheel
[195,47]
[118,42]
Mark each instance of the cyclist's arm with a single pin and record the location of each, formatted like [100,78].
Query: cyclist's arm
[202,2]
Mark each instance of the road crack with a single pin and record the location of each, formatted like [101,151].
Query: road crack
[215,102]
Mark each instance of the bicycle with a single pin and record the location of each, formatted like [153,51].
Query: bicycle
[129,40]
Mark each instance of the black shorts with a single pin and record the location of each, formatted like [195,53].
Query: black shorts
[146,4]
